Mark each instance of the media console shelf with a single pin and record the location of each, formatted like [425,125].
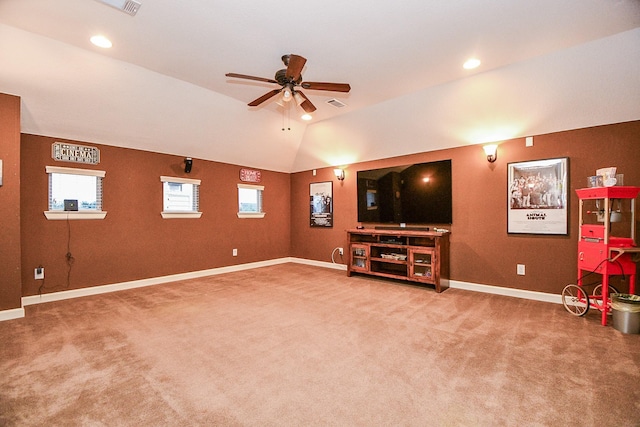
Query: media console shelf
[417,256]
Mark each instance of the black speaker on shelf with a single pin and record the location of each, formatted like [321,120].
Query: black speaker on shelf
[188,163]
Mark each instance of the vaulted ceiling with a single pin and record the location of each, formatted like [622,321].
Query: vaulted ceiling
[547,65]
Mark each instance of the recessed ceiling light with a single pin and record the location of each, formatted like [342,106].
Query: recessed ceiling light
[101,41]
[471,63]
[306,117]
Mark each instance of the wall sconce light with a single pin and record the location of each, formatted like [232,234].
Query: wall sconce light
[188,163]
[339,174]
[491,151]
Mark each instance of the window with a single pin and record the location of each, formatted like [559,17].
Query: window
[250,201]
[81,186]
[180,197]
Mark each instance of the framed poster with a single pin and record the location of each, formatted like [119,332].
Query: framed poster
[321,204]
[537,195]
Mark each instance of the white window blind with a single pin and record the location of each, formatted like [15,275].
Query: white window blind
[250,201]
[180,197]
[82,186]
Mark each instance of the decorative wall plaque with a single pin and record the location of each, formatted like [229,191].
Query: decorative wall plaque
[63,152]
[250,175]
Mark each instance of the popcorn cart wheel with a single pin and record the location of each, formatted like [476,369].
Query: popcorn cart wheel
[577,301]
[597,294]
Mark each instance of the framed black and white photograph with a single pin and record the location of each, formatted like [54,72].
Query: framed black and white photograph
[321,204]
[537,197]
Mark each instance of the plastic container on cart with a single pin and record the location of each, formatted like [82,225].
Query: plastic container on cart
[626,313]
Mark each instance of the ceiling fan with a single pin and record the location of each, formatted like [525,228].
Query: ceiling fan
[290,80]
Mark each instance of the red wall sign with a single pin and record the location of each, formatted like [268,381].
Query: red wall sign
[249,175]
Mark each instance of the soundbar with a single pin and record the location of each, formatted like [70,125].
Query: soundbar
[397,227]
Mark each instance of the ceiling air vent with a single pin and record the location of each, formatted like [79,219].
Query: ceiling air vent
[336,103]
[127,6]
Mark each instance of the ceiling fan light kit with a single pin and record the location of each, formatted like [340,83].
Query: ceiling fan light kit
[286,93]
[290,79]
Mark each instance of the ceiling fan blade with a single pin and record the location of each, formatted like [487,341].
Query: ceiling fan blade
[264,97]
[335,87]
[295,66]
[306,105]
[244,76]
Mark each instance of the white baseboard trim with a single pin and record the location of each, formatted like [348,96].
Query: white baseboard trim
[319,263]
[510,292]
[114,287]
[102,289]
[14,313]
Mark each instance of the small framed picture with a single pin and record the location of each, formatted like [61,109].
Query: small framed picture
[321,204]
[537,197]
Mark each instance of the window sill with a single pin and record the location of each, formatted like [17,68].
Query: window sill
[169,215]
[250,214]
[75,214]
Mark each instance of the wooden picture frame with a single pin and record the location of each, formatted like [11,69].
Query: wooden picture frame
[537,201]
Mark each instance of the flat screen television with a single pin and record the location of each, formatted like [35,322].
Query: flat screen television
[417,194]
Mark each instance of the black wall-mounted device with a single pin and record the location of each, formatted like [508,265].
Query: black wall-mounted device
[70,205]
[188,163]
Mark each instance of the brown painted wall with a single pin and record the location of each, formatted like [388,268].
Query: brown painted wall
[481,250]
[10,202]
[133,241]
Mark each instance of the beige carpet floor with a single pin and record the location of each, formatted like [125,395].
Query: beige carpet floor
[296,345]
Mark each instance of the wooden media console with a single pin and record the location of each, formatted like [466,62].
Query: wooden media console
[412,255]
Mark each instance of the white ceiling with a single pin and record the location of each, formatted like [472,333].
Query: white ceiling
[547,65]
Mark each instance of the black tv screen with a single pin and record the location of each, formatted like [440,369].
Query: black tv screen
[415,194]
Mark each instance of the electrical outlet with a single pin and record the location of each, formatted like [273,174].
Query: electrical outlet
[235,252]
[341,251]
[520,269]
[38,273]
